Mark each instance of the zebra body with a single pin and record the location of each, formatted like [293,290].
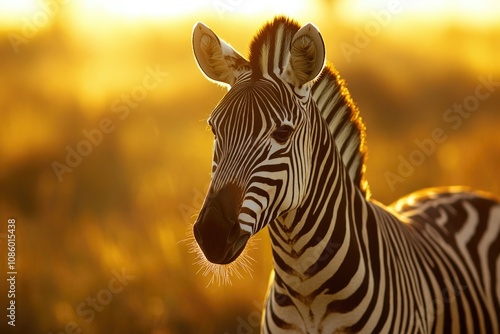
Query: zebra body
[289,154]
[402,269]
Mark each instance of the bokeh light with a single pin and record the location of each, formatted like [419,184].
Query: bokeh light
[105,155]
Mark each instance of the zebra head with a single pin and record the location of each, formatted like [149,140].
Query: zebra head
[263,132]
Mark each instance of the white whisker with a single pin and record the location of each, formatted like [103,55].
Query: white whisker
[221,274]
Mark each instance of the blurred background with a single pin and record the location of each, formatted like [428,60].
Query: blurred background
[105,155]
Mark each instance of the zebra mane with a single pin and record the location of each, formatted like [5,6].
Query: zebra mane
[269,52]
[342,116]
[270,48]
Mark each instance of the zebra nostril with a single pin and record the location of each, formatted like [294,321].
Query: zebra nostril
[234,233]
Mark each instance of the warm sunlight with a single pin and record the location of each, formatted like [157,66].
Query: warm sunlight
[39,13]
[477,10]
[105,152]
[16,7]
[170,8]
[144,8]
[11,10]
[18,12]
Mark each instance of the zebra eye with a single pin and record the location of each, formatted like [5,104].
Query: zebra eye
[282,134]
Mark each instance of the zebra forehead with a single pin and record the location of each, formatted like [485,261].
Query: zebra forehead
[259,104]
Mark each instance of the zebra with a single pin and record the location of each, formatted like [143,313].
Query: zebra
[290,154]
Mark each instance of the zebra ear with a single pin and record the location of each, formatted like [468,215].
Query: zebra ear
[307,55]
[217,59]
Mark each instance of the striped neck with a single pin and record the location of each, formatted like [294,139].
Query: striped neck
[321,234]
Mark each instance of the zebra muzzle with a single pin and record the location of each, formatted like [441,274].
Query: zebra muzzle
[220,240]
[217,230]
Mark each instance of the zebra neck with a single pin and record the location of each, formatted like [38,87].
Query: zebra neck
[311,244]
